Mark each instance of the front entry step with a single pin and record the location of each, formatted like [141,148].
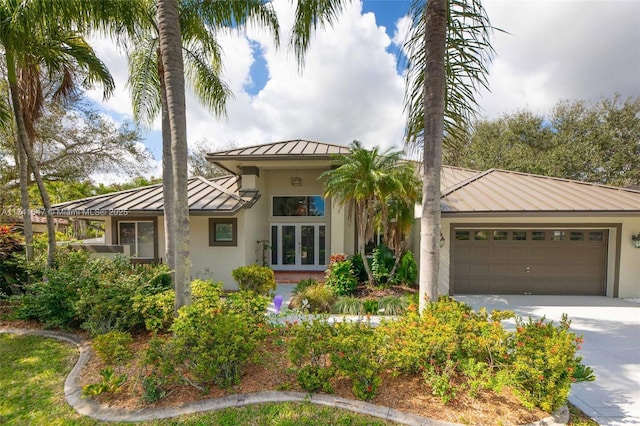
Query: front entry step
[294,277]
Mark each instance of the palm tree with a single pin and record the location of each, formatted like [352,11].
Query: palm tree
[40,36]
[449,50]
[202,61]
[364,180]
[157,84]
[400,209]
[170,44]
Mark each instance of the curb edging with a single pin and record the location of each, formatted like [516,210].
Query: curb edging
[90,408]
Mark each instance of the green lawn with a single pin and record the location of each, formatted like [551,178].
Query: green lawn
[33,370]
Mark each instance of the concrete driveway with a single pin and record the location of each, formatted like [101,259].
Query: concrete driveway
[611,329]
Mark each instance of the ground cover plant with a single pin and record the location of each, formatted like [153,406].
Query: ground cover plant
[449,362]
[32,377]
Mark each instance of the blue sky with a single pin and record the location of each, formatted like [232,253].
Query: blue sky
[352,86]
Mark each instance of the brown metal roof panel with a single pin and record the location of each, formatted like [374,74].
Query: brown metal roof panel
[498,190]
[300,147]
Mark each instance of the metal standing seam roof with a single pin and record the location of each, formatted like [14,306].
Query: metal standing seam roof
[218,195]
[505,191]
[450,176]
[282,149]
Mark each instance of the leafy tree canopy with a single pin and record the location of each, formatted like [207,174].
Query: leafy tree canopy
[198,164]
[597,142]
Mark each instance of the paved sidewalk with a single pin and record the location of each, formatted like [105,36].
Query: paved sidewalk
[611,329]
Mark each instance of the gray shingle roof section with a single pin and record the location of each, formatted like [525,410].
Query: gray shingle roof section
[506,191]
[212,196]
[297,147]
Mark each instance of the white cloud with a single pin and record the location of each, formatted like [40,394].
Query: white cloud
[562,50]
[350,87]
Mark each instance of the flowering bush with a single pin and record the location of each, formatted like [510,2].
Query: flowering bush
[340,276]
[308,348]
[354,354]
[542,362]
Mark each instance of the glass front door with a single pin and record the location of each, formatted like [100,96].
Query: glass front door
[298,246]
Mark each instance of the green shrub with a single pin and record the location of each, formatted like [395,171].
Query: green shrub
[354,354]
[110,383]
[315,298]
[259,279]
[158,360]
[94,293]
[53,300]
[358,268]
[304,284]
[543,360]
[113,347]
[308,348]
[346,305]
[393,305]
[252,307]
[105,303]
[407,272]
[211,345]
[12,273]
[381,264]
[206,293]
[156,310]
[447,331]
[371,306]
[341,279]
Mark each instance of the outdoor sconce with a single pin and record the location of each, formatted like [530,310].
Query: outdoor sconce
[441,241]
[636,240]
[296,180]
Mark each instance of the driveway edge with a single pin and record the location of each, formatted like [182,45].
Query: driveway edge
[91,408]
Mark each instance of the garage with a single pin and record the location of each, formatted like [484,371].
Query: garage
[529,261]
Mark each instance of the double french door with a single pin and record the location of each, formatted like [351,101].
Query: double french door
[298,246]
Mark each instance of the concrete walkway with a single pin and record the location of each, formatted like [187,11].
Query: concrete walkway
[95,410]
[611,329]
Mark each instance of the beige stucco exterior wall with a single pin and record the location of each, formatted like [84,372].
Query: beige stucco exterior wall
[216,263]
[629,256]
[255,225]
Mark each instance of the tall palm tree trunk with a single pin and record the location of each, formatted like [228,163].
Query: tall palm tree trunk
[434,103]
[167,177]
[25,146]
[171,49]
[27,226]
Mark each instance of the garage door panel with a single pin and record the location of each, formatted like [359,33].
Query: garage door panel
[538,265]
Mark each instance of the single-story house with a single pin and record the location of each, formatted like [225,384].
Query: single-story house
[504,232]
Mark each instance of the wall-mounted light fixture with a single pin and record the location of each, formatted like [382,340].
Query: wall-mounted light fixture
[441,240]
[636,240]
[296,180]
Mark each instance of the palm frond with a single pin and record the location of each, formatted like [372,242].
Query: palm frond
[468,54]
[144,80]
[308,16]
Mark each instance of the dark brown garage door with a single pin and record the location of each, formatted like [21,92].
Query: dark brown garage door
[529,261]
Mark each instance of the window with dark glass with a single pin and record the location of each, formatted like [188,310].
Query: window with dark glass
[481,235]
[139,236]
[596,236]
[500,235]
[538,235]
[298,206]
[462,235]
[519,235]
[576,236]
